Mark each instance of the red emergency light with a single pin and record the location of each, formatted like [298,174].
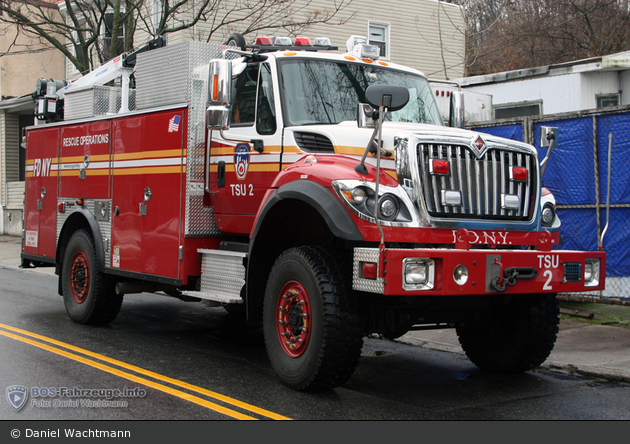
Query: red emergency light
[440,167]
[519,173]
[263,40]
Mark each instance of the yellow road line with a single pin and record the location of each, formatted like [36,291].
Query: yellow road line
[142,371]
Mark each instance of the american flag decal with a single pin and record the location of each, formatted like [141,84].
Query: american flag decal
[173,124]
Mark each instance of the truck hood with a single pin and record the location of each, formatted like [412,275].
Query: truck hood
[347,138]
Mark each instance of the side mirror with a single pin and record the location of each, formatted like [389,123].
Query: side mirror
[393,98]
[219,94]
[456,113]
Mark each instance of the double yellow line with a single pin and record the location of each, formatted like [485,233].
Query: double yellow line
[43,341]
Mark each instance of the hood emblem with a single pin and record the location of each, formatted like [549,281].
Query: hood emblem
[479,144]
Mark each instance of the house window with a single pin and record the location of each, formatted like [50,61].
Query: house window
[606,100]
[378,35]
[106,36]
[518,110]
[158,11]
[78,53]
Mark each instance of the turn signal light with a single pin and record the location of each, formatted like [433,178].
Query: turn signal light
[369,270]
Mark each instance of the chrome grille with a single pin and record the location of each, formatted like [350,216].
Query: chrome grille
[484,184]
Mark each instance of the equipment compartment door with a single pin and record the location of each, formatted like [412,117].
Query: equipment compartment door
[40,212]
[146,192]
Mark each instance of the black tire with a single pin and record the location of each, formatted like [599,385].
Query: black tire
[314,285]
[512,338]
[236,40]
[88,294]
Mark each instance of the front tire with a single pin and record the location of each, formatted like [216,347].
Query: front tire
[512,338]
[88,294]
[311,321]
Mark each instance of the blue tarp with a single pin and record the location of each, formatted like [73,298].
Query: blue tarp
[570,175]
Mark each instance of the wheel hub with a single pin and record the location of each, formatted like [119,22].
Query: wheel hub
[79,277]
[293,315]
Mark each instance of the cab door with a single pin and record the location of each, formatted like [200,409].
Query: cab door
[245,160]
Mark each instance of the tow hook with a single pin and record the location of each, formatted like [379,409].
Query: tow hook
[510,276]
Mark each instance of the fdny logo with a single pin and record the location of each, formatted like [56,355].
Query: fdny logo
[17,395]
[241,160]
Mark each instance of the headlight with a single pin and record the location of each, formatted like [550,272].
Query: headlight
[548,217]
[394,206]
[548,214]
[591,273]
[419,274]
[388,207]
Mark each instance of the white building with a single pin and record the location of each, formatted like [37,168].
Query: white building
[597,82]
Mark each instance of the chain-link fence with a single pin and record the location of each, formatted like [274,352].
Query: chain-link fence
[577,175]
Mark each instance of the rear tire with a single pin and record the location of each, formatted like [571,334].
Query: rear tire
[88,294]
[512,338]
[311,321]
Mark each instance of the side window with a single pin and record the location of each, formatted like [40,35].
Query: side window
[244,105]
[266,115]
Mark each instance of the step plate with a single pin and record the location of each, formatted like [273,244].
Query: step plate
[222,276]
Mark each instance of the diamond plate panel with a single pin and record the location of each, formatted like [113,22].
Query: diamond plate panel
[183,78]
[361,284]
[104,221]
[94,101]
[222,273]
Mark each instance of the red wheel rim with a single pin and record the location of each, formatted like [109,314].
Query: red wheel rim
[79,277]
[293,319]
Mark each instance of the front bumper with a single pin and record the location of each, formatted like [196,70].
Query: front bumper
[556,271]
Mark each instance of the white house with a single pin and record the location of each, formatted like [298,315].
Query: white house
[597,82]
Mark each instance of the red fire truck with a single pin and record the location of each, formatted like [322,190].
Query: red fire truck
[319,194]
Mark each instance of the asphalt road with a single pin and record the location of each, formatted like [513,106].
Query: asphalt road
[190,362]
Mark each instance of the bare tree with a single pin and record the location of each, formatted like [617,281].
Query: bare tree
[89,32]
[516,34]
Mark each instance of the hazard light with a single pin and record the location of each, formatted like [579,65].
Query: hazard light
[282,41]
[302,41]
[322,41]
[263,41]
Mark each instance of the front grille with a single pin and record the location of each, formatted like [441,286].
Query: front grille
[572,272]
[483,184]
[314,143]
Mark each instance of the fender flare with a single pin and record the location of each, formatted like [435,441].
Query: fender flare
[321,199]
[96,235]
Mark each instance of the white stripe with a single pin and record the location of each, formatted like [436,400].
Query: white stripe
[170,161]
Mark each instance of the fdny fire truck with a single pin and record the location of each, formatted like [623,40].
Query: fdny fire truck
[318,194]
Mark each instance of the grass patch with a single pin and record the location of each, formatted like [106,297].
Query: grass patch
[607,314]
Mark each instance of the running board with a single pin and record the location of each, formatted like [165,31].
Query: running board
[222,276]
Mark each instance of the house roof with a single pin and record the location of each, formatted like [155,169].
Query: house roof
[613,62]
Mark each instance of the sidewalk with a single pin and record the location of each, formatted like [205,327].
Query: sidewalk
[584,348]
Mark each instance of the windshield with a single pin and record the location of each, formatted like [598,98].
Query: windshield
[324,92]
